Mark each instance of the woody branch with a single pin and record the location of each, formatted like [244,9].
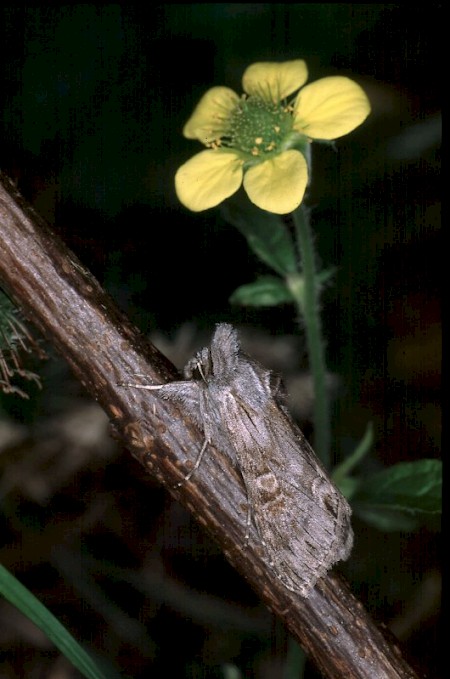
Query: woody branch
[67,305]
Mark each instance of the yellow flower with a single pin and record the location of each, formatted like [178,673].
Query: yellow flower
[261,138]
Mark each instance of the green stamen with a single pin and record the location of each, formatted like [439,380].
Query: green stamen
[258,128]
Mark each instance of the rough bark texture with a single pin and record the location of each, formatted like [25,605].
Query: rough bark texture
[68,307]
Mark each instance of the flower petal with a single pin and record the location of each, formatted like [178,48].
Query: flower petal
[278,185]
[207,179]
[330,108]
[210,115]
[274,81]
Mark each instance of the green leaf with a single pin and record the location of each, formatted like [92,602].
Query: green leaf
[404,495]
[266,234]
[326,275]
[26,602]
[348,485]
[230,671]
[265,291]
[385,520]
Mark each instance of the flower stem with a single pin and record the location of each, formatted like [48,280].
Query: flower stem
[307,299]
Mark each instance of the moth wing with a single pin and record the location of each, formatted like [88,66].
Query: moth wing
[186,394]
[194,399]
[302,517]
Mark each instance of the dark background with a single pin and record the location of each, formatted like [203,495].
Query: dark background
[94,98]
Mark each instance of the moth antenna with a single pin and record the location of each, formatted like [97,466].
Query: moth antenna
[200,370]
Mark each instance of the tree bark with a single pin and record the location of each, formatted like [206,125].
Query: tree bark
[104,350]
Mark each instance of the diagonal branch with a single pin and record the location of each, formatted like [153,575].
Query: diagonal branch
[103,348]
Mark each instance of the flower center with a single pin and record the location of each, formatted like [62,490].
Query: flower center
[258,128]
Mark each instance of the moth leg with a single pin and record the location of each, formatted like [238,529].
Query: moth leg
[141,386]
[196,464]
[203,448]
[248,524]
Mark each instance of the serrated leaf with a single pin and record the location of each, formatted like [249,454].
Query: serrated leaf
[405,492]
[266,234]
[265,291]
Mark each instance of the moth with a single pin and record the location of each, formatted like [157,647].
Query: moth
[301,517]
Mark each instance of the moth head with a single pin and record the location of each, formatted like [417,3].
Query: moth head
[199,368]
[218,361]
